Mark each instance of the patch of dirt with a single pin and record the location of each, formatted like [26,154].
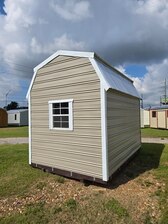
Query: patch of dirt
[137,195]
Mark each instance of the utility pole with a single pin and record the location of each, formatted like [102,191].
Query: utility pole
[164,99]
[165,93]
[142,101]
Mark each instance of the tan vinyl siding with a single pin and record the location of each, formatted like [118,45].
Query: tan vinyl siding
[153,120]
[162,119]
[78,150]
[123,127]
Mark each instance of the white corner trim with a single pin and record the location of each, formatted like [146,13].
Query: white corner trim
[99,73]
[104,133]
[30,139]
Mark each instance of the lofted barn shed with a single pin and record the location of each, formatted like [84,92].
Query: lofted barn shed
[3,118]
[84,116]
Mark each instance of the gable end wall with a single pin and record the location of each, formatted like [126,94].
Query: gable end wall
[79,150]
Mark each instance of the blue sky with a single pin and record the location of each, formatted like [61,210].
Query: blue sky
[1,7]
[136,70]
[131,35]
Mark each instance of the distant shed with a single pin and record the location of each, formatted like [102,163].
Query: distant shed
[84,116]
[144,118]
[3,118]
[159,117]
[18,117]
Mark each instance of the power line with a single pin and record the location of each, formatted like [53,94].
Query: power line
[21,70]
[10,61]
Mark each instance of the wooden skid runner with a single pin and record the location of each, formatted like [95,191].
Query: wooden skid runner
[68,174]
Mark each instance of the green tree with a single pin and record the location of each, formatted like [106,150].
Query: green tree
[11,106]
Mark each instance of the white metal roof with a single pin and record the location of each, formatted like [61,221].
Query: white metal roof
[16,111]
[159,107]
[109,76]
[116,80]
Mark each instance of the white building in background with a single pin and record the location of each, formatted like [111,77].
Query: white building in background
[18,117]
[144,118]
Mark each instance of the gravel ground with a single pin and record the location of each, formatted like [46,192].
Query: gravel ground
[25,140]
[13,140]
[155,140]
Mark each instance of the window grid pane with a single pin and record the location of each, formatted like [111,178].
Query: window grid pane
[60,114]
[56,105]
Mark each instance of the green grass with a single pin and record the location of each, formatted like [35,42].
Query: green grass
[71,203]
[14,132]
[155,157]
[116,207]
[152,132]
[16,176]
[162,174]
[17,179]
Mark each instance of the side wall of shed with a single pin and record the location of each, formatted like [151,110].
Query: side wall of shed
[153,120]
[123,125]
[142,117]
[24,118]
[161,119]
[161,114]
[79,150]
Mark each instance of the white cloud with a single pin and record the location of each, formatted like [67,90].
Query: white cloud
[16,17]
[8,83]
[74,10]
[154,9]
[152,6]
[119,31]
[151,86]
[62,43]
[13,50]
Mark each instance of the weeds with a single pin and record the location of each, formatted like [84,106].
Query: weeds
[116,207]
[60,179]
[71,204]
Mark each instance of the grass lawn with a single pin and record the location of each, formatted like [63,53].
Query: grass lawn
[138,194]
[152,132]
[14,132]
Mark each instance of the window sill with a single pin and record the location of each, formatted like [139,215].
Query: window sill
[61,129]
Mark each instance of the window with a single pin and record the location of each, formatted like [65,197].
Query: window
[15,117]
[60,114]
[153,113]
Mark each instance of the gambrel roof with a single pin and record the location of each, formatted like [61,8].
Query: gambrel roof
[110,77]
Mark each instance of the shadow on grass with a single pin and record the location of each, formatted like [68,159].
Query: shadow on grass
[146,159]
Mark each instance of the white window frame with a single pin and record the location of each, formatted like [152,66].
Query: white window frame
[70,115]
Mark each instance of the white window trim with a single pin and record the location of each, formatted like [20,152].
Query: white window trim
[70,114]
